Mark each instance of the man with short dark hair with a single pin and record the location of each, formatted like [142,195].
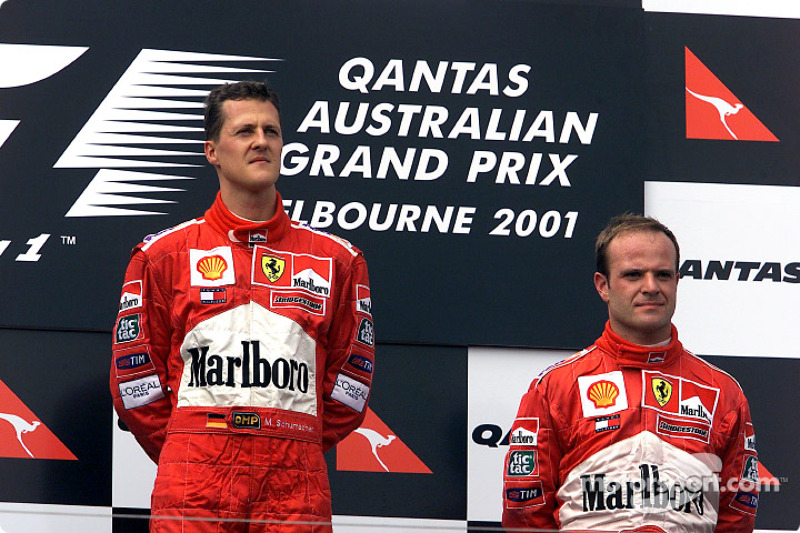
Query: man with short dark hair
[633,433]
[244,345]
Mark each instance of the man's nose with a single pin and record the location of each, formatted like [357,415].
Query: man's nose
[649,283]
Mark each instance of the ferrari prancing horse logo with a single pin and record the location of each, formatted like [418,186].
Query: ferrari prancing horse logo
[272,267]
[662,390]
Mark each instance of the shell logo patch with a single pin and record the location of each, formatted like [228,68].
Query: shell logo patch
[212,267]
[603,393]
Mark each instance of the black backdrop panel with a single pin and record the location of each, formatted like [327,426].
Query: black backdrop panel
[758,61]
[568,77]
[420,393]
[60,380]
[769,384]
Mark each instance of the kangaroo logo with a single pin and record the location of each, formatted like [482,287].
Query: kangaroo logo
[21,426]
[376,440]
[723,108]
[714,112]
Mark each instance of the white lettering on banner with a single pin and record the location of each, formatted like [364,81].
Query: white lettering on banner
[452,121]
[435,121]
[430,219]
[455,77]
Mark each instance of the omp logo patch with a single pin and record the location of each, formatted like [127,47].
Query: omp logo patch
[22,435]
[151,121]
[246,420]
[374,447]
[714,112]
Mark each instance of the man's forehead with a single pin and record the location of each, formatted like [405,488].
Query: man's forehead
[630,245]
[249,109]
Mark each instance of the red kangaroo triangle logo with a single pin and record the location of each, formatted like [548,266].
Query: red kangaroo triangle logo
[714,112]
[22,435]
[373,447]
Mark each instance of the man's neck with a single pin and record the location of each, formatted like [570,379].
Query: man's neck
[252,207]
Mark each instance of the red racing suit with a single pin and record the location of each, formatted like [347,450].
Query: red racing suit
[241,352]
[622,437]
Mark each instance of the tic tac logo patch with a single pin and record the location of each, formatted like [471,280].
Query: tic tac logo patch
[211,268]
[602,394]
[131,296]
[128,328]
[366,332]
[522,463]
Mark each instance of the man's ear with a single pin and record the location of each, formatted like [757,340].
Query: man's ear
[211,152]
[601,284]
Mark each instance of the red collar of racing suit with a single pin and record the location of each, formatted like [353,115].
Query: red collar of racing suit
[244,231]
[630,354]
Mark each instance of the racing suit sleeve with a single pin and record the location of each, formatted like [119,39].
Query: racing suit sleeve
[141,343]
[531,468]
[739,476]
[350,356]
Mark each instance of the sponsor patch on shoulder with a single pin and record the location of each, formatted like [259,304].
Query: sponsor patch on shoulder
[519,495]
[131,297]
[522,463]
[362,363]
[131,361]
[363,300]
[524,432]
[366,332]
[745,502]
[142,391]
[350,392]
[128,329]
